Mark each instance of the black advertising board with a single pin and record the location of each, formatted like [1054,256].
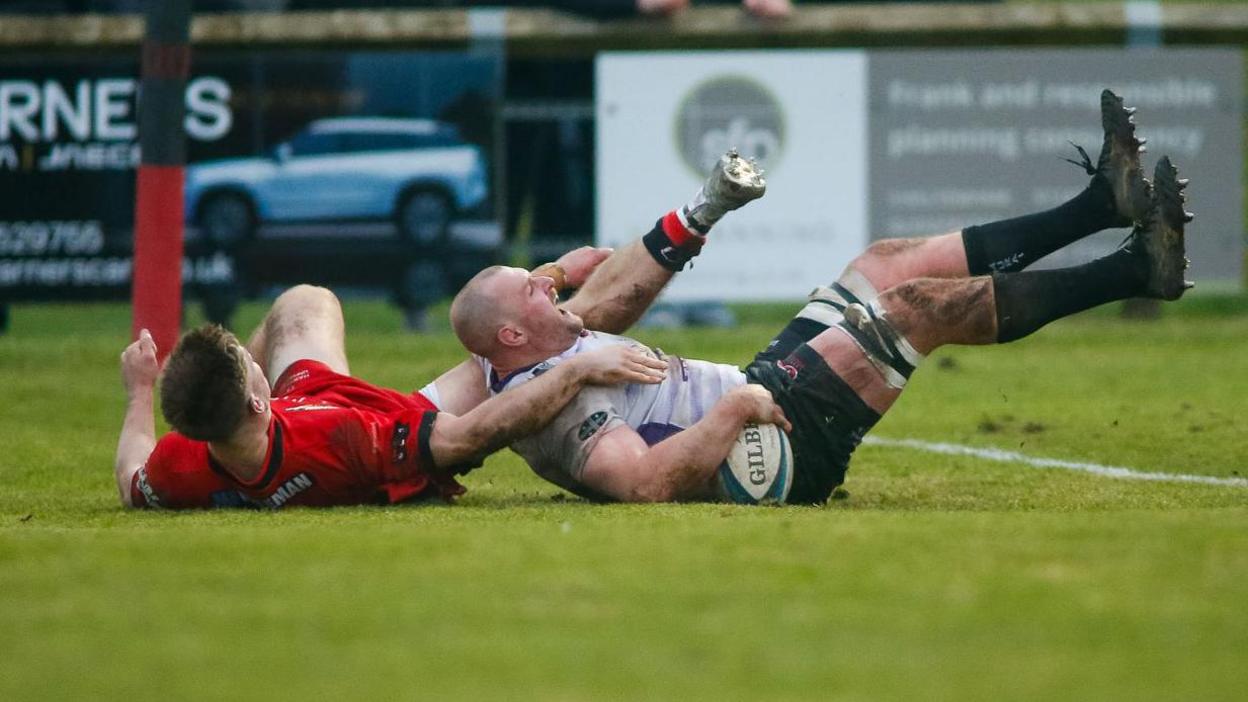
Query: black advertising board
[363,168]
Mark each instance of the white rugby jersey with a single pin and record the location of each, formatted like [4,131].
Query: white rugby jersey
[558,452]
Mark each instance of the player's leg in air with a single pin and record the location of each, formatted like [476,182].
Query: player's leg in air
[913,318]
[305,322]
[836,386]
[838,366]
[1116,196]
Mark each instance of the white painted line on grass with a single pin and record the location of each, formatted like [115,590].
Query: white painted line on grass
[1001,456]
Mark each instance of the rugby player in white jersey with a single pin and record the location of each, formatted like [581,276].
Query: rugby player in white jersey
[844,360]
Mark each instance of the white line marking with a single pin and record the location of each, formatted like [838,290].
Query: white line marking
[1001,456]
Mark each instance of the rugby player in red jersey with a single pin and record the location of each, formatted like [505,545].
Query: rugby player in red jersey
[320,437]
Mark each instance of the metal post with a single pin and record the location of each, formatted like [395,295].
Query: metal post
[156,290]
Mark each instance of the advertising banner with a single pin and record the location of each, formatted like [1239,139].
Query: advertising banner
[68,153]
[867,145]
[303,167]
[664,118]
[966,137]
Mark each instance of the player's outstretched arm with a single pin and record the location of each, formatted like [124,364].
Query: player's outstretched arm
[521,411]
[623,467]
[460,389]
[620,290]
[614,288]
[139,370]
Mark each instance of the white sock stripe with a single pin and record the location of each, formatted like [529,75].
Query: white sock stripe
[828,295]
[825,314]
[1003,456]
[825,293]
[908,352]
[683,216]
[911,354]
[891,377]
[858,284]
[699,199]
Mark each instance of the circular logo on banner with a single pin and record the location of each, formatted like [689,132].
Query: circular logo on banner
[728,112]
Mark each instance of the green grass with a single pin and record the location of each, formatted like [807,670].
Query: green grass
[937,578]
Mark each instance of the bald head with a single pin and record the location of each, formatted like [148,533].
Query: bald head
[477,314]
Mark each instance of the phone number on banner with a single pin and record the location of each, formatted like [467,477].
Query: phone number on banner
[72,238]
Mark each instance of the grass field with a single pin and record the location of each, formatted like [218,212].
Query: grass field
[938,577]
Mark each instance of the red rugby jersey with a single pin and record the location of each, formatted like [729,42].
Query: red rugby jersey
[333,440]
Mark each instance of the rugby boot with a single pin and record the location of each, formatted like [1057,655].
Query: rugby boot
[1159,238]
[1118,165]
[733,182]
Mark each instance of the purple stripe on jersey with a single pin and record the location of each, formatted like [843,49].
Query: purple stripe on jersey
[695,399]
[497,384]
[655,432]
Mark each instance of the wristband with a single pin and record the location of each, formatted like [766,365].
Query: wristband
[669,254]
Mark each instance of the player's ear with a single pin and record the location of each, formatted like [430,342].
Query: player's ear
[510,336]
[257,404]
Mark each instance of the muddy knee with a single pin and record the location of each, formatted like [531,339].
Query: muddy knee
[932,312]
[305,323]
[884,263]
[307,299]
[882,252]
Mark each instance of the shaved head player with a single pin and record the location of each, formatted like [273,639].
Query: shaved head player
[844,360]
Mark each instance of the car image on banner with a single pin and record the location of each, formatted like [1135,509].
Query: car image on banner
[417,173]
[371,172]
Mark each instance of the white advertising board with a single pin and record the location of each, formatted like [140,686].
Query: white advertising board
[860,146]
[662,120]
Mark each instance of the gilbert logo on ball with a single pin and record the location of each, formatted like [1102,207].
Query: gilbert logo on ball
[726,112]
[758,469]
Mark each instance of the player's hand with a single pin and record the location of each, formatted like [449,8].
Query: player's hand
[613,365]
[578,264]
[139,367]
[758,406]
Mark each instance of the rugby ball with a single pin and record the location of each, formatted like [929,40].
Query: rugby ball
[759,469]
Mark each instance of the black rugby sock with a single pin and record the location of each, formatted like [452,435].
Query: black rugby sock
[1014,244]
[1029,300]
